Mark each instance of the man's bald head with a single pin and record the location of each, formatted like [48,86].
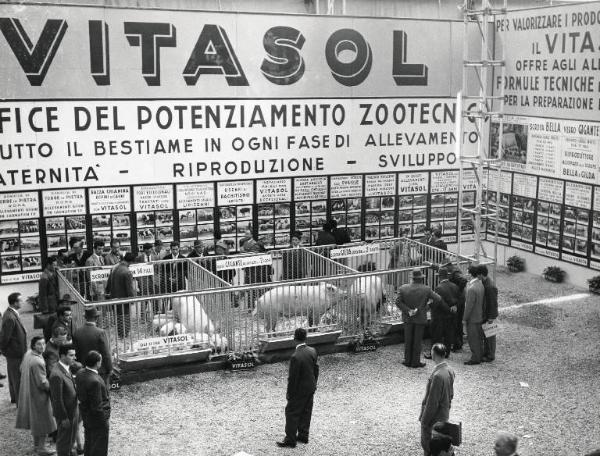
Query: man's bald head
[506,443]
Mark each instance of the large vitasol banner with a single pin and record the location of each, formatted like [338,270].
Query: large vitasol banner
[93,96]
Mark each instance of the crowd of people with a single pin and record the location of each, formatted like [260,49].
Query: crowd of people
[61,383]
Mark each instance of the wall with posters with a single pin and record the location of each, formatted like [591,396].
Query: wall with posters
[136,125]
[550,189]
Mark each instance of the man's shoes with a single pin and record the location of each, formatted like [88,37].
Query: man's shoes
[485,359]
[286,444]
[1,385]
[302,439]
[45,452]
[2,376]
[419,365]
[404,363]
[471,363]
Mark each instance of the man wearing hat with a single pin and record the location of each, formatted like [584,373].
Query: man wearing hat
[199,250]
[302,384]
[412,301]
[89,337]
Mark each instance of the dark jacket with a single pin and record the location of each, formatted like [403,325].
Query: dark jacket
[415,296]
[490,299]
[62,394]
[304,372]
[48,294]
[120,282]
[175,273]
[93,398]
[13,337]
[450,297]
[341,236]
[293,264]
[89,337]
[325,238]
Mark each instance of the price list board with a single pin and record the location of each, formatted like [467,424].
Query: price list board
[235,214]
[64,218]
[195,214]
[413,189]
[20,237]
[110,209]
[310,206]
[380,205]
[549,210]
[274,198]
[153,206]
[576,223]
[345,193]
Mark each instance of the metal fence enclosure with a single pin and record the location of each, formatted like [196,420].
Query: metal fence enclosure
[229,303]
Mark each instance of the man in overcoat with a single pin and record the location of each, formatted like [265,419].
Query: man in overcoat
[490,312]
[89,337]
[412,301]
[120,285]
[94,405]
[473,315]
[438,396]
[48,294]
[302,384]
[442,315]
[64,400]
[13,343]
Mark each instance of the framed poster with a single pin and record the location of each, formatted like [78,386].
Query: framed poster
[310,206]
[412,203]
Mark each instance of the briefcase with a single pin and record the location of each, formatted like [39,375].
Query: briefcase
[40,320]
[452,430]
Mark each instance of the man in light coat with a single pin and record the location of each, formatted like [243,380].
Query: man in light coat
[438,396]
[473,316]
[64,400]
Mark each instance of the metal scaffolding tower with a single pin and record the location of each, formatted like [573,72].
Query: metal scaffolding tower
[478,104]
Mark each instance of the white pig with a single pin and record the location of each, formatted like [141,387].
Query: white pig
[171,329]
[292,300]
[367,295]
[189,311]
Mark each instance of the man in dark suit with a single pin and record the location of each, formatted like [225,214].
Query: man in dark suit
[473,316]
[120,285]
[174,275]
[89,337]
[302,384]
[13,343]
[48,294]
[94,405]
[293,260]
[64,400]
[412,301]
[438,396]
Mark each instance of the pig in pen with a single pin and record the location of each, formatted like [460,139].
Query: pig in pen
[285,307]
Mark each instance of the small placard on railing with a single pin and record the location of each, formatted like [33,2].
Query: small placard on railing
[141,269]
[357,250]
[178,340]
[241,362]
[244,262]
[99,275]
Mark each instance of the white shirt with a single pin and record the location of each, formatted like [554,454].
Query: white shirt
[65,367]
[14,310]
[90,369]
[303,344]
